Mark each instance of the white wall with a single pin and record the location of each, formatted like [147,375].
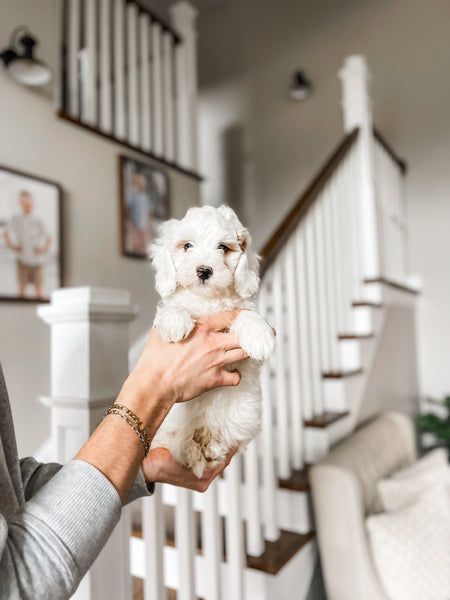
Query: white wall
[35,141]
[260,149]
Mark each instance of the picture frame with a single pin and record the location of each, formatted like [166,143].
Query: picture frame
[31,264]
[144,203]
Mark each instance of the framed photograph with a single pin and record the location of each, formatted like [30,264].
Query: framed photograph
[144,204]
[30,237]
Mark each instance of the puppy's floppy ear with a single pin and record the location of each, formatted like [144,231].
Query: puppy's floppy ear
[246,277]
[160,253]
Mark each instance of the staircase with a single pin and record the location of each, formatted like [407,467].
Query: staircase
[329,274]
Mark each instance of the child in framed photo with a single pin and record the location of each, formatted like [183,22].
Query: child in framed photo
[144,203]
[30,253]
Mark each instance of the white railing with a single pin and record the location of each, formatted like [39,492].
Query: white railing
[129,75]
[389,178]
[309,283]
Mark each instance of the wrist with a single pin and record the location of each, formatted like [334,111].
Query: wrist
[145,402]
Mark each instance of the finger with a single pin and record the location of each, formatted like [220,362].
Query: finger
[230,378]
[227,341]
[235,356]
[219,321]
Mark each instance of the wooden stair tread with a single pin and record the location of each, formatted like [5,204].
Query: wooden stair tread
[341,374]
[323,421]
[298,481]
[279,553]
[394,284]
[355,336]
[367,303]
[138,590]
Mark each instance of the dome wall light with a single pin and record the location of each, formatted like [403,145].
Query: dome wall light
[20,62]
[301,87]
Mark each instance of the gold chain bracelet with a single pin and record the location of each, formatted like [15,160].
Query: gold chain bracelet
[132,420]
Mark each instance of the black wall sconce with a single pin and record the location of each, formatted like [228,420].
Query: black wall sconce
[301,87]
[20,62]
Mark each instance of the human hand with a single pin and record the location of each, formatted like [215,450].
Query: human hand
[182,371]
[160,466]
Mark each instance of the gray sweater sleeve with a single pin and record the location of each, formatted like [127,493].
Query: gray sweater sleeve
[51,541]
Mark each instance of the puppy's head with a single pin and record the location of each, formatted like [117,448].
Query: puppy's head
[208,252]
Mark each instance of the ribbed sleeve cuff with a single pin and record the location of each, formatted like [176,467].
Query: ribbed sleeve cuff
[82,507]
[140,488]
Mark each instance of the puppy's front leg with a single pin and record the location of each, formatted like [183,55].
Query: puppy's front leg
[173,325]
[255,335]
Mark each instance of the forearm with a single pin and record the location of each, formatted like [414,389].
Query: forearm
[47,546]
[114,448]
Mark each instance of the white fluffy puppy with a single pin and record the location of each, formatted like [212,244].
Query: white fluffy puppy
[205,264]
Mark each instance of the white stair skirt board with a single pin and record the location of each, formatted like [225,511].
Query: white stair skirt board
[292,581]
[390,295]
[293,508]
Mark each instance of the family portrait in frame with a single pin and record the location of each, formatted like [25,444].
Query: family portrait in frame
[143,205]
[30,237]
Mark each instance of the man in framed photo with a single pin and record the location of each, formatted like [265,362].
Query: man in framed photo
[140,209]
[26,236]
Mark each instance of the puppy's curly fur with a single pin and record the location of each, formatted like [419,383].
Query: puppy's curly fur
[205,264]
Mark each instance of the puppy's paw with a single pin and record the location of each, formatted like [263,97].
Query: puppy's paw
[255,335]
[173,326]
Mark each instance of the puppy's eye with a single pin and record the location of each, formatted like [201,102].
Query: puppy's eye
[224,248]
[187,246]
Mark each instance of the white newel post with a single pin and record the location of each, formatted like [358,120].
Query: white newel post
[357,110]
[183,16]
[89,362]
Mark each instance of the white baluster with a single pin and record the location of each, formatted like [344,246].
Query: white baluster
[344,233]
[314,335]
[255,542]
[120,128]
[157,117]
[283,434]
[186,544]
[89,81]
[331,296]
[337,255]
[293,355]
[184,20]
[234,531]
[304,325]
[145,71]
[271,531]
[153,535]
[73,58]
[351,168]
[105,67]
[212,542]
[132,87]
[168,102]
[325,351]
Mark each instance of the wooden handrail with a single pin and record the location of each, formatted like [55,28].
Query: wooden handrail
[288,225]
[395,157]
[142,6]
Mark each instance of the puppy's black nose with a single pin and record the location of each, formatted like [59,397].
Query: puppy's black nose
[204,272]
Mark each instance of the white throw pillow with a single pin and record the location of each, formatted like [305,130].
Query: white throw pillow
[406,486]
[411,548]
[436,459]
